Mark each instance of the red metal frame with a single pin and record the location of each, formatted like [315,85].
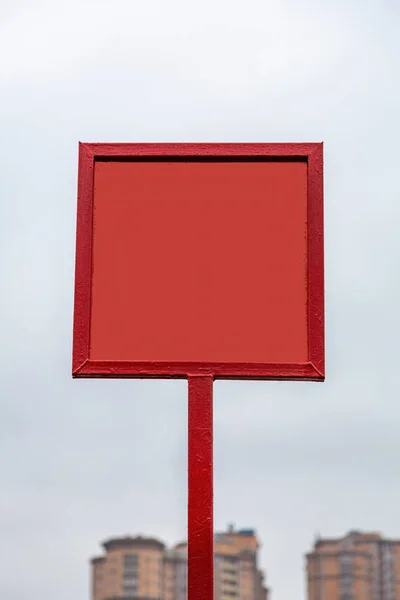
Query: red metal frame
[313,369]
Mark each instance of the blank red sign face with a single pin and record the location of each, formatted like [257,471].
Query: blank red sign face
[200,264]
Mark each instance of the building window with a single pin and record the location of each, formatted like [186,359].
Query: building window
[130,558]
[346,564]
[130,574]
[346,576]
[130,591]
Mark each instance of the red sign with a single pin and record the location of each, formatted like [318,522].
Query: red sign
[200,261]
[196,258]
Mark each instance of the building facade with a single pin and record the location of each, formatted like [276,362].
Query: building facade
[236,571]
[359,566]
[139,568]
[130,568]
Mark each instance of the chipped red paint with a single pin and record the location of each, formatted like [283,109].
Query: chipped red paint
[200,488]
[282,371]
[83,259]
[315,218]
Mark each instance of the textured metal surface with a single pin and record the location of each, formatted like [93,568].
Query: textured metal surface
[287,364]
[200,488]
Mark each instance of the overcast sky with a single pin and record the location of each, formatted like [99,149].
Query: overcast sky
[84,460]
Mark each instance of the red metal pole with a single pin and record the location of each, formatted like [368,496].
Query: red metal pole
[200,488]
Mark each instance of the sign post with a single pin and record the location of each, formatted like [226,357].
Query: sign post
[200,261]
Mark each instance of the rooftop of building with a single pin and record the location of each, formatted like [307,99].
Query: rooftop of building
[176,554]
[232,531]
[225,535]
[138,541]
[232,541]
[353,538]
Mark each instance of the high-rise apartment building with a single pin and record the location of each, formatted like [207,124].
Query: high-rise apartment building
[237,574]
[139,568]
[359,566]
[130,568]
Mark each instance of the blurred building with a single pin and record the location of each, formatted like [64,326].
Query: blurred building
[359,566]
[175,573]
[132,567]
[237,573]
[139,568]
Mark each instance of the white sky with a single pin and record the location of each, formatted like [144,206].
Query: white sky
[84,460]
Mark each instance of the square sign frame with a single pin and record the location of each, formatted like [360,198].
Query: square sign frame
[203,193]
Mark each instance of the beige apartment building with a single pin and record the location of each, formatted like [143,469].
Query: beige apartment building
[237,573]
[359,566]
[140,568]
